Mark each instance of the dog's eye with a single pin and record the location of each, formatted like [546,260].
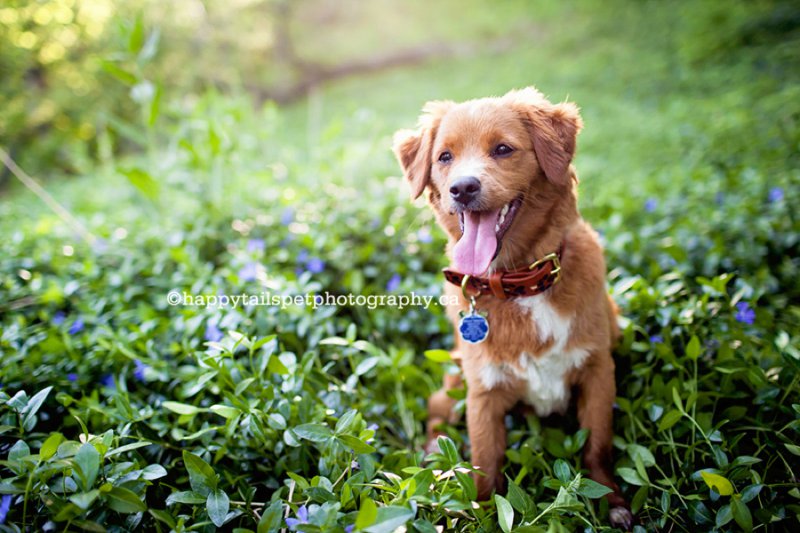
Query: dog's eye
[502,149]
[445,157]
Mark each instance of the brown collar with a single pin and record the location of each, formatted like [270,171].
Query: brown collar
[530,281]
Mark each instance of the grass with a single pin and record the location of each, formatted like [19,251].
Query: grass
[120,411]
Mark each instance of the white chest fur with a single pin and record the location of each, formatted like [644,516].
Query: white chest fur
[544,374]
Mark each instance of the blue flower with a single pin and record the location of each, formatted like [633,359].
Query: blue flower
[775,194]
[302,517]
[213,333]
[315,265]
[287,216]
[255,245]
[5,505]
[349,529]
[394,283]
[744,313]
[138,372]
[650,205]
[59,317]
[249,272]
[76,327]
[424,235]
[656,339]
[720,198]
[302,257]
[107,381]
[72,376]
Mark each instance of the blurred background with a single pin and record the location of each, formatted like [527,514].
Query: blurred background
[221,147]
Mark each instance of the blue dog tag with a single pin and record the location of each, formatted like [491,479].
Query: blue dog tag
[473,327]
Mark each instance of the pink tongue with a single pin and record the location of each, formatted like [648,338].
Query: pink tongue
[475,250]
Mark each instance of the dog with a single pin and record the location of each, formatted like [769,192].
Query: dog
[534,319]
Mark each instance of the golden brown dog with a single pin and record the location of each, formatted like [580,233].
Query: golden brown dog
[499,178]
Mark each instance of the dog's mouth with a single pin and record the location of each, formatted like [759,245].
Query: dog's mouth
[482,236]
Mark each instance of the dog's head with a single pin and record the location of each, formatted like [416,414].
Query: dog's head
[484,162]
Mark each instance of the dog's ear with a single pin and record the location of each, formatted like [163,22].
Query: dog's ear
[413,148]
[554,130]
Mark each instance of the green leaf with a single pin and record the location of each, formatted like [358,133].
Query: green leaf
[201,476]
[87,461]
[356,444]
[35,403]
[367,514]
[561,470]
[187,497]
[631,476]
[217,506]
[225,411]
[84,499]
[182,408]
[724,515]
[389,518]
[793,448]
[693,349]
[136,37]
[163,516]
[120,73]
[505,513]
[50,446]
[123,500]
[448,448]
[438,356]
[518,498]
[467,485]
[143,181]
[592,489]
[271,518]
[741,514]
[669,420]
[718,483]
[676,397]
[313,432]
[151,472]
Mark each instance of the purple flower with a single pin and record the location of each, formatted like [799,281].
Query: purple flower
[213,333]
[287,216]
[255,245]
[424,235]
[72,376]
[302,257]
[302,517]
[374,428]
[59,317]
[249,272]
[656,339]
[76,327]
[315,265]
[107,381]
[5,505]
[138,372]
[650,205]
[775,194]
[349,529]
[744,313]
[393,283]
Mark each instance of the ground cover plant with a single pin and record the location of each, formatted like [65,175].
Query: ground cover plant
[123,409]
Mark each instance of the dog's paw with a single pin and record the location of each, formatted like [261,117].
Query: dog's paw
[621,518]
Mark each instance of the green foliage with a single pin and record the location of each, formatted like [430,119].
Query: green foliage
[120,410]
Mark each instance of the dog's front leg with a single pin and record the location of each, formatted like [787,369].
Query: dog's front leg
[595,413]
[487,434]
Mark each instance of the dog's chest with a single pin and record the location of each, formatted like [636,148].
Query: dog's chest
[543,374]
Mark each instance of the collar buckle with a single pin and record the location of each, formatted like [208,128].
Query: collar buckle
[556,260]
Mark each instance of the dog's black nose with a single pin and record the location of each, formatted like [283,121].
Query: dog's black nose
[464,190]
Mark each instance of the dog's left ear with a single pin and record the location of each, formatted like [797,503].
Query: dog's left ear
[413,148]
[554,130]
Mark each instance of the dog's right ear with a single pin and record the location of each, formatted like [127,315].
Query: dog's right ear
[413,148]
